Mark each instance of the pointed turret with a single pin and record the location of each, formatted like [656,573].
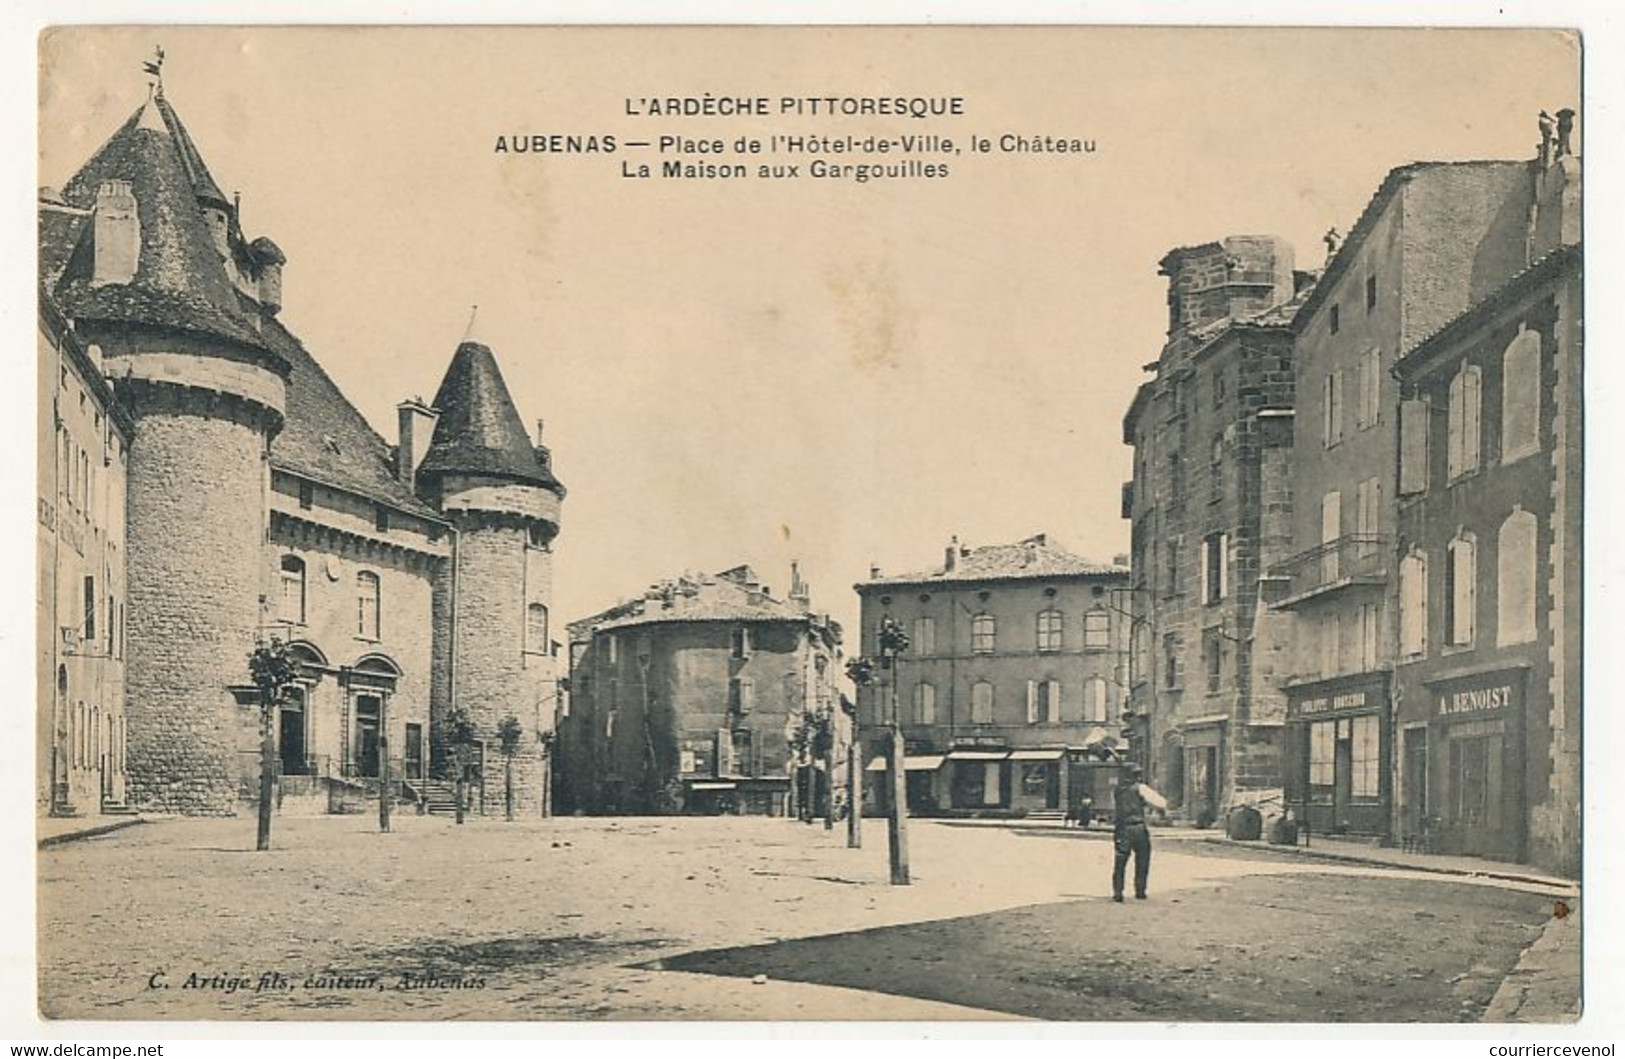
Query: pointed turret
[497,488]
[479,433]
[150,269]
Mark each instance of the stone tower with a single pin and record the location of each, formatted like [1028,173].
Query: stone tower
[154,278]
[493,641]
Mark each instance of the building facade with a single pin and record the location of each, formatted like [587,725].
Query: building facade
[1013,684]
[83,452]
[259,504]
[697,698]
[1489,558]
[1210,505]
[1435,238]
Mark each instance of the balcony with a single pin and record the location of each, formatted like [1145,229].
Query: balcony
[1354,559]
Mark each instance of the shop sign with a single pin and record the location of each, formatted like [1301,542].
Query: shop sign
[1474,700]
[1348,700]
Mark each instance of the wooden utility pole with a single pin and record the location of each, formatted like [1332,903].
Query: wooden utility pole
[854,790]
[384,798]
[262,840]
[893,642]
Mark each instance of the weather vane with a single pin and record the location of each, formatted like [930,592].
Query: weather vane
[155,68]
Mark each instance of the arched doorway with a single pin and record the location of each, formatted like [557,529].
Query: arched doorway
[372,681]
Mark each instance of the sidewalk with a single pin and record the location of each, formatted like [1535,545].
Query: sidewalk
[1357,852]
[55,830]
[1545,985]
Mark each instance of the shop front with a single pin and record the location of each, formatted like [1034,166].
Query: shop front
[1037,779]
[979,779]
[1338,754]
[1475,764]
[1203,750]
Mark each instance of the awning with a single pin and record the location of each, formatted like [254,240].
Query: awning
[1094,736]
[1036,755]
[712,786]
[911,763]
[978,755]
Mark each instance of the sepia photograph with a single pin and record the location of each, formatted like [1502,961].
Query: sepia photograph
[839,524]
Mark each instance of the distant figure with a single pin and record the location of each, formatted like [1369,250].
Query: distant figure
[1333,239]
[1130,835]
[1083,811]
[1565,132]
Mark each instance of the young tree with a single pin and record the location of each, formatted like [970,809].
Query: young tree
[509,732]
[274,670]
[463,736]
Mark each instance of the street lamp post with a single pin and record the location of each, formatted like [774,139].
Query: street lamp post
[893,642]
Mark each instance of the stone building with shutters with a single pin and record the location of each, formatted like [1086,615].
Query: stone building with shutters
[254,501]
[1211,508]
[688,699]
[1435,239]
[1489,558]
[1010,694]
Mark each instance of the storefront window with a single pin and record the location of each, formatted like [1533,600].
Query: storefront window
[1365,779]
[1322,753]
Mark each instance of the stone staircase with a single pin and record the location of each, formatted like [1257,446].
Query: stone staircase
[439,796]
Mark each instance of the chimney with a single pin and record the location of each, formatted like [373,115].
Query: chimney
[874,572]
[268,260]
[416,421]
[1120,559]
[116,234]
[950,555]
[799,591]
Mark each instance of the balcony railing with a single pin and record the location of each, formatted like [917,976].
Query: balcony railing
[1353,559]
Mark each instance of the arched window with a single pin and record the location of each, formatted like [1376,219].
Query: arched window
[293,590]
[983,634]
[981,702]
[1520,397]
[1097,630]
[368,605]
[925,704]
[536,628]
[1049,630]
[1413,605]
[1461,591]
[1466,404]
[1515,579]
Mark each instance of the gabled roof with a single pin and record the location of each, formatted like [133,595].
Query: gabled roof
[1348,250]
[180,281]
[326,439]
[1033,558]
[1416,360]
[479,431]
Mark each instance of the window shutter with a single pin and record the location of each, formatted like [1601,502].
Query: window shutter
[1465,588]
[1413,457]
[725,752]
[1032,702]
[1472,434]
[1224,565]
[1052,712]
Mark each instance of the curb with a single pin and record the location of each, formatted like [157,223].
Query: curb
[89,832]
[1378,862]
[1539,987]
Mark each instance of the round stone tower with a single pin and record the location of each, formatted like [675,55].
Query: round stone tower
[493,636]
[147,282]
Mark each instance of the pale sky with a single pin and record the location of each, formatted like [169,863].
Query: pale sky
[744,371]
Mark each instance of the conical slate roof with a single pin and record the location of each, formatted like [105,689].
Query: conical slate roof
[479,431]
[180,280]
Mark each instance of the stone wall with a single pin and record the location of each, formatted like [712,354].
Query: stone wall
[196,519]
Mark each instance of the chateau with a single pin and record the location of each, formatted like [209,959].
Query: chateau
[206,487]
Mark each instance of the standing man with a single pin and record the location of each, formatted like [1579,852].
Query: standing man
[1129,833]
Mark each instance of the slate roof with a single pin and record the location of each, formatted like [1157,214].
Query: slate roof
[180,282]
[1035,557]
[695,597]
[479,431]
[325,438]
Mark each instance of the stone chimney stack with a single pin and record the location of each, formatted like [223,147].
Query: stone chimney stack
[117,234]
[416,422]
[950,555]
[799,590]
